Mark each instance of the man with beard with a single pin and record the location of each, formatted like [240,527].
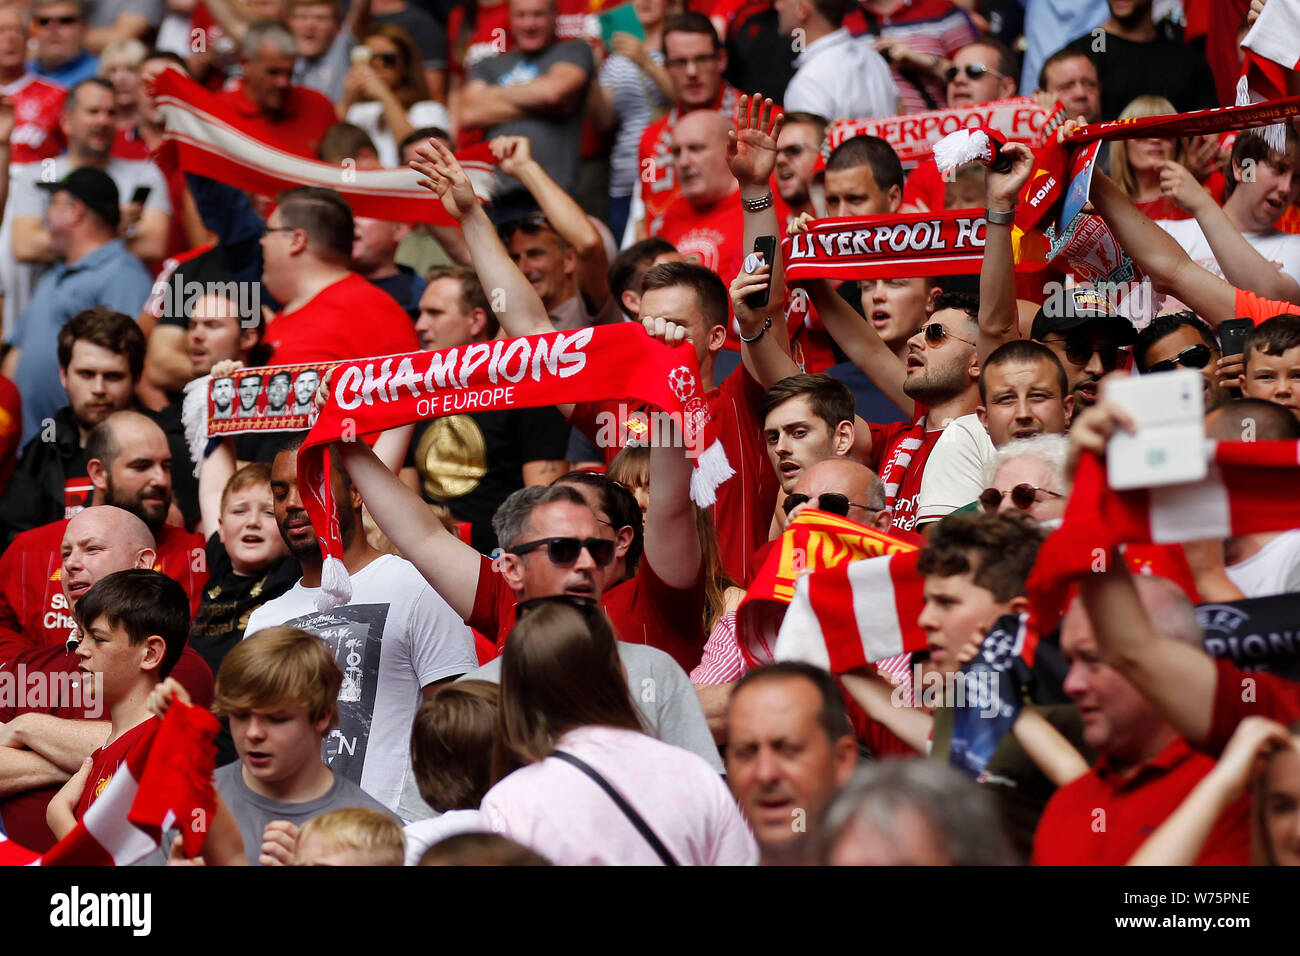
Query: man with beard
[304,390]
[250,387]
[395,641]
[277,394]
[223,397]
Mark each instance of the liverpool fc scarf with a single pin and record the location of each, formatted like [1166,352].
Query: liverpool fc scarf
[214,142]
[1249,489]
[1018,119]
[614,361]
[164,782]
[902,245]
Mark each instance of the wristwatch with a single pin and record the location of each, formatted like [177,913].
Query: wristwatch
[759,204]
[1000,218]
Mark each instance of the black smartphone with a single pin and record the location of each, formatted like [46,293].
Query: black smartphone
[764,246]
[1232,335]
[141,194]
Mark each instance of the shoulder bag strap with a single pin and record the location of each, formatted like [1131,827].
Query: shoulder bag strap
[635,818]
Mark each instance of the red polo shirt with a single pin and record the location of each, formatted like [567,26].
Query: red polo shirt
[298,130]
[1102,819]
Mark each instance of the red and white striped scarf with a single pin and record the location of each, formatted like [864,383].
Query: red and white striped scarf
[165,781]
[215,142]
[900,458]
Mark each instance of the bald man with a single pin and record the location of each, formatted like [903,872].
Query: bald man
[129,463]
[51,726]
[706,221]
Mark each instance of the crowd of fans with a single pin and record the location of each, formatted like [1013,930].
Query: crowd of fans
[541,660]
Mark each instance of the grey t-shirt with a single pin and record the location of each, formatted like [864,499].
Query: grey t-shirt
[126,174]
[325,73]
[662,691]
[555,139]
[253,811]
[104,13]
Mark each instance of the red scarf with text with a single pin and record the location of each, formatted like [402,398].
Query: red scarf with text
[614,361]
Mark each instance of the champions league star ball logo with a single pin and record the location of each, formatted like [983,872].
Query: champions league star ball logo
[682,382]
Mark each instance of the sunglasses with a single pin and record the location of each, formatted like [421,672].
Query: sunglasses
[1023,497]
[1194,356]
[61,21]
[530,225]
[795,150]
[830,501]
[388,59]
[973,72]
[936,332]
[1080,351]
[577,601]
[564,551]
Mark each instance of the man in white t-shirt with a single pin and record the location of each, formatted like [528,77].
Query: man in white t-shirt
[395,640]
[1261,185]
[836,75]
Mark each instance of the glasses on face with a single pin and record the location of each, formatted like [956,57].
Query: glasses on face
[388,59]
[530,225]
[1194,356]
[563,552]
[267,230]
[1023,497]
[795,150]
[61,21]
[699,62]
[1080,351]
[973,72]
[579,602]
[935,333]
[830,501]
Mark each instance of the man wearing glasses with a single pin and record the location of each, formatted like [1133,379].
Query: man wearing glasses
[61,54]
[836,75]
[1086,336]
[1182,340]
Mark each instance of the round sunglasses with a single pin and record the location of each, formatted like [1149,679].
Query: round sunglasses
[1023,497]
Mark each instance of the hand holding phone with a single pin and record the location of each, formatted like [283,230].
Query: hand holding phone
[765,247]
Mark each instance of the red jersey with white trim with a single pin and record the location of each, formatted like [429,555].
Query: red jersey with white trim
[37,106]
[34,611]
[107,759]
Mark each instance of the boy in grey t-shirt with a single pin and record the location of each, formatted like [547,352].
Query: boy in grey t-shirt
[279,688]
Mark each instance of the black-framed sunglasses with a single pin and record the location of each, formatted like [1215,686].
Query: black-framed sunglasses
[1194,356]
[830,501]
[936,332]
[61,21]
[563,552]
[388,59]
[530,225]
[795,150]
[973,72]
[1022,495]
[1079,351]
[580,602]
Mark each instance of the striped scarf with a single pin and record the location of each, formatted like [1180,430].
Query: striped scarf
[900,457]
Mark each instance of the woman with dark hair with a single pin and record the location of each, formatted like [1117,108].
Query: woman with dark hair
[578,780]
[385,92]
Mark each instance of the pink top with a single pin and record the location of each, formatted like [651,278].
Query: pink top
[557,810]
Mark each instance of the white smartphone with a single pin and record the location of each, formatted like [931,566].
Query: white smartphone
[1168,447]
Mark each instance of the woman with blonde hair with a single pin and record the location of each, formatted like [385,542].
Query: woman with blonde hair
[578,779]
[386,93]
[1135,164]
[120,65]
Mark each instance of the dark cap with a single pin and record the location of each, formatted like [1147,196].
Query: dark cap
[95,188]
[1080,306]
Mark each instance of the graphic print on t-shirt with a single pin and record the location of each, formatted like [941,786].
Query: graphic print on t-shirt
[353,633]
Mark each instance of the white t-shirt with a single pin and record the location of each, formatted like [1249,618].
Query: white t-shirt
[369,116]
[842,77]
[954,472]
[1275,246]
[396,636]
[1274,569]
[425,833]
[557,810]
[126,174]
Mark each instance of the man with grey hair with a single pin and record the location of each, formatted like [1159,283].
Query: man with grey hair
[913,813]
[1145,767]
[293,117]
[1028,476]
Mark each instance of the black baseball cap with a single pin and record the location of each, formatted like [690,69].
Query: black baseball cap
[1080,306]
[95,188]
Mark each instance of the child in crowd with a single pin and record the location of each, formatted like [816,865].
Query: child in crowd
[351,837]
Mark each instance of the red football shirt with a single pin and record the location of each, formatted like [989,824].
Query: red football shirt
[107,759]
[1274,697]
[307,115]
[33,609]
[643,610]
[909,489]
[38,104]
[348,319]
[1102,819]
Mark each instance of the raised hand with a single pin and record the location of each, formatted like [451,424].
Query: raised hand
[1179,184]
[1249,747]
[745,284]
[665,330]
[161,697]
[751,146]
[1004,188]
[444,177]
[512,153]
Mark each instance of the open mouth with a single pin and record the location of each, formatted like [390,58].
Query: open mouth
[1024,432]
[914,363]
[76,590]
[880,319]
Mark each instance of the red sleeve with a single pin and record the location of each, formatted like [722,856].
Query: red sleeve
[494,605]
[1238,695]
[1257,309]
[882,436]
[924,186]
[680,613]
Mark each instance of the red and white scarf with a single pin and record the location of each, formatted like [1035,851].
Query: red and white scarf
[1271,48]
[164,782]
[1019,120]
[1250,488]
[901,245]
[215,142]
[614,361]
[900,459]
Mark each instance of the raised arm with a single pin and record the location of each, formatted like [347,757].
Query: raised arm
[751,156]
[1242,263]
[562,212]
[1160,256]
[999,318]
[874,694]
[1048,748]
[672,545]
[860,341]
[213,475]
